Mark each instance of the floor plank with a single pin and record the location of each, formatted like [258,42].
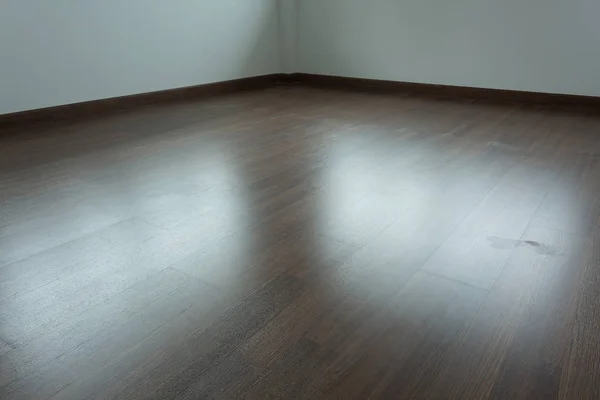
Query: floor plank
[4,347]
[298,242]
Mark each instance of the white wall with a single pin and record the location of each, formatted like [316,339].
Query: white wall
[66,51]
[288,35]
[535,45]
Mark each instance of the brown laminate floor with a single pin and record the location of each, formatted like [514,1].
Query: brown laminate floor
[301,243]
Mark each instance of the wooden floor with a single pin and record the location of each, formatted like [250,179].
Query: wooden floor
[300,243]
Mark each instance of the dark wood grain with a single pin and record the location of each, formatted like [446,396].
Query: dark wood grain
[302,243]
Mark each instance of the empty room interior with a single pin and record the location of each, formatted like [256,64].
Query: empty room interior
[300,199]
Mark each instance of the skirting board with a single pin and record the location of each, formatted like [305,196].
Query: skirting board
[105,106]
[87,109]
[434,90]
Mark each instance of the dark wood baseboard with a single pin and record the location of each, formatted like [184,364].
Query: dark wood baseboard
[71,112]
[88,109]
[446,91]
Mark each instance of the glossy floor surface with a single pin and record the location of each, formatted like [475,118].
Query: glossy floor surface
[300,243]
